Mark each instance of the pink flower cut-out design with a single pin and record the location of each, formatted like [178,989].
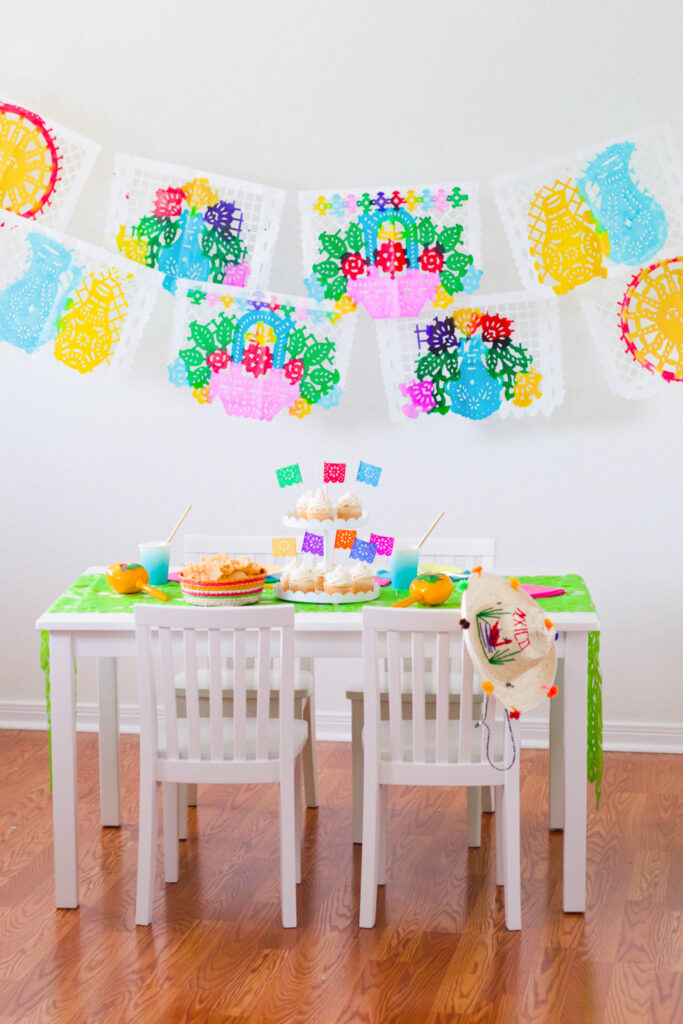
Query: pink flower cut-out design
[421,395]
[257,359]
[244,395]
[334,472]
[169,202]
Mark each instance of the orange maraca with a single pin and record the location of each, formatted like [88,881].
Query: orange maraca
[431,588]
[131,579]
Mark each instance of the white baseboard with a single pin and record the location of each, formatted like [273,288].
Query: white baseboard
[637,737]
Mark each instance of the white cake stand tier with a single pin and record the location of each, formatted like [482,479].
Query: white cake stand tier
[321,597]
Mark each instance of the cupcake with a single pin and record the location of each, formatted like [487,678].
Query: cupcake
[302,504]
[302,580]
[320,507]
[362,579]
[285,574]
[320,571]
[338,581]
[349,506]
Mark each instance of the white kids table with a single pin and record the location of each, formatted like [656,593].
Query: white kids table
[111,635]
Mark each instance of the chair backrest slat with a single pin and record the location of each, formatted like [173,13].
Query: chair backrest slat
[418,671]
[239,687]
[465,725]
[215,696]
[168,685]
[263,693]
[192,694]
[395,694]
[442,670]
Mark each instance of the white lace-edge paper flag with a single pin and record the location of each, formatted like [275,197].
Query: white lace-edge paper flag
[475,357]
[636,323]
[258,354]
[193,224]
[594,212]
[391,250]
[43,165]
[79,302]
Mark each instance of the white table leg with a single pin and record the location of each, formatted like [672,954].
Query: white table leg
[556,744]
[575,747]
[108,702]
[64,795]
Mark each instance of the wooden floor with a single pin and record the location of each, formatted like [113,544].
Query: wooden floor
[440,952]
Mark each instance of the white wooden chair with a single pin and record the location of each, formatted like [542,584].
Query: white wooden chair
[465,553]
[258,547]
[216,749]
[420,752]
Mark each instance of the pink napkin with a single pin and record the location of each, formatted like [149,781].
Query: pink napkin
[535,591]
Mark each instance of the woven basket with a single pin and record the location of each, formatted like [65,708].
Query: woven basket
[211,594]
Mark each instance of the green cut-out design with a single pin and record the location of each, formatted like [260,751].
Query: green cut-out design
[354,237]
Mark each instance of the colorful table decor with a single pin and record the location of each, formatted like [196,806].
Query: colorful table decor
[43,165]
[636,323]
[258,354]
[193,224]
[500,355]
[391,250]
[86,306]
[577,218]
[368,474]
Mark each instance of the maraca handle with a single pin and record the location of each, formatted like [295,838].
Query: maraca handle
[153,592]
[404,602]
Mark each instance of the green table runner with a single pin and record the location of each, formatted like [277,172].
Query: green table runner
[92,593]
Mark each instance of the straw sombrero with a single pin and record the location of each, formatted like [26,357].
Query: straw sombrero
[510,641]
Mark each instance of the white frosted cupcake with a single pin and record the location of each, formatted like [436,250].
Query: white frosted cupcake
[302,504]
[338,581]
[320,507]
[362,578]
[320,570]
[349,506]
[302,579]
[285,574]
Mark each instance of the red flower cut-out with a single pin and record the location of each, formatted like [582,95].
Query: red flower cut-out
[493,327]
[431,260]
[218,359]
[257,359]
[169,202]
[353,265]
[391,258]
[294,370]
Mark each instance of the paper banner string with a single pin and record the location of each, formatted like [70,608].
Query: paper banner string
[193,224]
[334,472]
[344,539]
[384,545]
[579,217]
[643,353]
[43,165]
[391,250]
[258,354]
[284,547]
[59,294]
[289,475]
[363,551]
[313,543]
[368,474]
[502,356]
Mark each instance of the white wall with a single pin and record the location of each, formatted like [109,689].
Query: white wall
[307,95]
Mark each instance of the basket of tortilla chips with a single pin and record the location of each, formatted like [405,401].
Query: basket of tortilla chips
[222,580]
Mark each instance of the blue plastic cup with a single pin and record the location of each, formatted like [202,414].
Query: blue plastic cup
[403,566]
[154,557]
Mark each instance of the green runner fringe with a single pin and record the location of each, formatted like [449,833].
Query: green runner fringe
[595,761]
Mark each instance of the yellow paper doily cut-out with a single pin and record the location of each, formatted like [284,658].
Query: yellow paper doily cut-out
[652,318]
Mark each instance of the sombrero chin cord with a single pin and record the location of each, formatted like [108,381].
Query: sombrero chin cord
[484,724]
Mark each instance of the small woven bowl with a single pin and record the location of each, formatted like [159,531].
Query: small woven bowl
[221,592]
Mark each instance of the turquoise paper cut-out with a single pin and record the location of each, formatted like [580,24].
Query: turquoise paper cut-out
[475,395]
[633,219]
[184,258]
[29,307]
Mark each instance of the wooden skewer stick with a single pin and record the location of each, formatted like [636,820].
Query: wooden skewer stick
[180,523]
[437,520]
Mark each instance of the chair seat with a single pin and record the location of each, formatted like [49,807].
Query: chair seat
[454,686]
[300,737]
[495,748]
